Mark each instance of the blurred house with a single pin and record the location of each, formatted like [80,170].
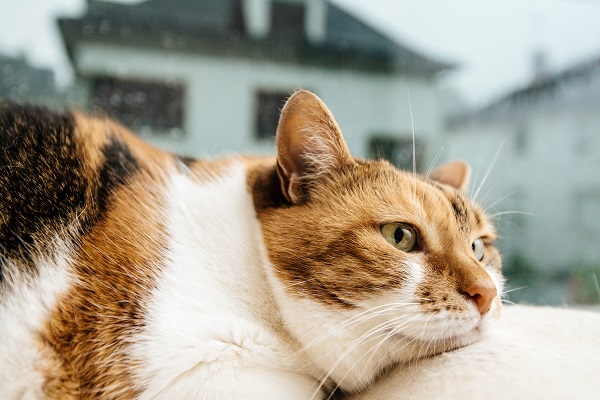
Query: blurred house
[547,138]
[21,82]
[208,77]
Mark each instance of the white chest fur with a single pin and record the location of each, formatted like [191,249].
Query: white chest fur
[212,328]
[23,313]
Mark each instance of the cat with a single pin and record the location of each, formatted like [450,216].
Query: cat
[129,272]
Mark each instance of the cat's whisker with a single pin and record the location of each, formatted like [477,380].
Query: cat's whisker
[426,299]
[359,341]
[391,333]
[414,159]
[488,171]
[372,351]
[370,332]
[405,341]
[496,202]
[514,290]
[282,287]
[508,301]
[431,342]
[435,160]
[487,192]
[357,319]
[422,334]
[474,183]
[12,166]
[596,284]
[498,214]
[414,151]
[437,336]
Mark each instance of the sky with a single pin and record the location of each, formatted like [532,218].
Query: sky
[492,42]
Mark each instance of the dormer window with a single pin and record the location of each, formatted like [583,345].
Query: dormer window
[287,18]
[148,107]
[268,108]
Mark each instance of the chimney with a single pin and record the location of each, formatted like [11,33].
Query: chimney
[540,66]
[257,16]
[315,20]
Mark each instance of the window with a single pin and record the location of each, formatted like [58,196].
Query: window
[155,107]
[398,151]
[287,18]
[521,142]
[268,108]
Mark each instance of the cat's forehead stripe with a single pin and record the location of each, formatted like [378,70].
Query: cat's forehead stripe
[460,212]
[466,215]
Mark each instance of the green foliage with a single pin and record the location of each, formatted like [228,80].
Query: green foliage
[521,271]
[585,281]
[576,284]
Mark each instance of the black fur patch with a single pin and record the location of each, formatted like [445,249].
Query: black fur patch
[43,188]
[39,181]
[266,191]
[118,166]
[187,161]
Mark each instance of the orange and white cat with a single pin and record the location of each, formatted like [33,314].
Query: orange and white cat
[128,272]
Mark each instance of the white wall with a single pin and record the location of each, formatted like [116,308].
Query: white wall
[219,114]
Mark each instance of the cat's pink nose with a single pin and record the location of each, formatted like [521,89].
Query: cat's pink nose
[482,293]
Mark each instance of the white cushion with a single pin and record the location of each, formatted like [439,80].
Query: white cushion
[534,353]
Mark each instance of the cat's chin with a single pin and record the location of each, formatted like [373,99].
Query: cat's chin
[421,347]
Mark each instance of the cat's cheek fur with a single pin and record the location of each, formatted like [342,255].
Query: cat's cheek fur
[351,346]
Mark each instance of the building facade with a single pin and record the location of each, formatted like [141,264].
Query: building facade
[546,138]
[209,77]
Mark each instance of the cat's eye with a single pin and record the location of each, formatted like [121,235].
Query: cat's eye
[401,236]
[478,249]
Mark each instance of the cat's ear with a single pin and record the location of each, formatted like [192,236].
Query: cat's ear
[309,144]
[455,173]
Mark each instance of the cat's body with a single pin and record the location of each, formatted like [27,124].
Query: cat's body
[129,272]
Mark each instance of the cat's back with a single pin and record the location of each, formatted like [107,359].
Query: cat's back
[110,283]
[65,180]
[60,176]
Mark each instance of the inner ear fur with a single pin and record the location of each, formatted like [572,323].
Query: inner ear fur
[455,174]
[309,143]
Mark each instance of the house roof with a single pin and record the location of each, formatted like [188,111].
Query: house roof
[550,88]
[546,88]
[19,80]
[549,84]
[217,27]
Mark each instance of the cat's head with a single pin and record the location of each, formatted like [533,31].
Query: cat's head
[372,265]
